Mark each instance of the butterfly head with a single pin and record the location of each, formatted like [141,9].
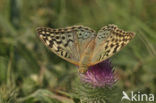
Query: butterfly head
[83,69]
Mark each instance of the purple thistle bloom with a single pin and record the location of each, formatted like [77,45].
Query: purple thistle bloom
[100,75]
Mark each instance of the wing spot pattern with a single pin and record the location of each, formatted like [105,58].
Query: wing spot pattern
[63,37]
[47,41]
[68,42]
[51,44]
[43,32]
[112,43]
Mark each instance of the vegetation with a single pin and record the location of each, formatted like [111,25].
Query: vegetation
[30,73]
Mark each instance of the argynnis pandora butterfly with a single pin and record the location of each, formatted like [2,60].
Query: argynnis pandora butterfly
[82,46]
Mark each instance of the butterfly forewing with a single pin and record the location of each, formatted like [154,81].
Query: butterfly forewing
[109,40]
[68,43]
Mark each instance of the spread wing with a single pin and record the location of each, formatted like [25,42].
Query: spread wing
[110,39]
[68,43]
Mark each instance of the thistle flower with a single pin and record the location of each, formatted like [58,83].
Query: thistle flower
[99,75]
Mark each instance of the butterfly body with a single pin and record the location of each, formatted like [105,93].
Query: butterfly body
[82,46]
[85,58]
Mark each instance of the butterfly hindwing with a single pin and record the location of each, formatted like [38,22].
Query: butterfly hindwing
[109,40]
[68,43]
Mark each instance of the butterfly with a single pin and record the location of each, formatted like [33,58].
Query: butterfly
[82,46]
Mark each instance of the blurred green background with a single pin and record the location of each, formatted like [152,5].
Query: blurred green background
[30,73]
